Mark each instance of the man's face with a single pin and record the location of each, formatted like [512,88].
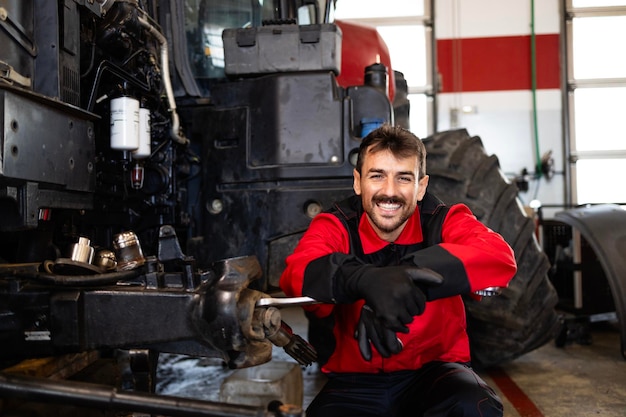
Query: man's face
[390,189]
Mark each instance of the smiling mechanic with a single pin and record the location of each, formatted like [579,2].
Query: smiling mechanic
[390,265]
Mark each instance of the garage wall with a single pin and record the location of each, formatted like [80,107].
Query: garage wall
[484,65]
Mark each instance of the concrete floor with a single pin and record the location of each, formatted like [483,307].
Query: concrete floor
[575,380]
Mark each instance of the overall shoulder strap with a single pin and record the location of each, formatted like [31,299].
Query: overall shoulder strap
[349,211]
[432,214]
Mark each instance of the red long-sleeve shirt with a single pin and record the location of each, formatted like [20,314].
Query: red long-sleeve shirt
[439,334]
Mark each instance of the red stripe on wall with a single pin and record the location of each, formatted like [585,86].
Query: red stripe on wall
[499,63]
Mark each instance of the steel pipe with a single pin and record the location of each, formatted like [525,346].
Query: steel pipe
[101,396]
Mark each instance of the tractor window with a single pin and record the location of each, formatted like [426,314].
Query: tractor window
[364,9]
[407,28]
[204,22]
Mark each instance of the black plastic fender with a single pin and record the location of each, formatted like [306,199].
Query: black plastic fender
[604,228]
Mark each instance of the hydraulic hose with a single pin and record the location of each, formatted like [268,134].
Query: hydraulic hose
[533,71]
[109,278]
[175,133]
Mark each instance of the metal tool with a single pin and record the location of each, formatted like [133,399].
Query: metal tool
[279,333]
[285,302]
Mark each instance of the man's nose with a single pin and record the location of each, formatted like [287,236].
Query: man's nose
[390,186]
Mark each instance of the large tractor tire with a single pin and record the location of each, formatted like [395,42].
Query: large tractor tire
[523,316]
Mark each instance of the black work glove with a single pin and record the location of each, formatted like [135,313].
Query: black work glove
[371,331]
[443,261]
[390,291]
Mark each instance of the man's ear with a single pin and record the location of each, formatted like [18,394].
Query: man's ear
[421,190]
[356,185]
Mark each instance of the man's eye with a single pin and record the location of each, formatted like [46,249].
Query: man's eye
[376,176]
[406,179]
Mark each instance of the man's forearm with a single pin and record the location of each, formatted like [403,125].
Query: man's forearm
[455,280]
[324,277]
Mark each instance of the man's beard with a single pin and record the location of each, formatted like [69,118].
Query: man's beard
[393,227]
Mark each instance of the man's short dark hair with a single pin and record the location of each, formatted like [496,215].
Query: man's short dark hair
[401,143]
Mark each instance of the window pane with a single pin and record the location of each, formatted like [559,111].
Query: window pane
[600,118]
[418,116]
[356,9]
[407,48]
[594,183]
[596,53]
[597,3]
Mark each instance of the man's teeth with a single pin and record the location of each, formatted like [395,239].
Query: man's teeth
[389,206]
